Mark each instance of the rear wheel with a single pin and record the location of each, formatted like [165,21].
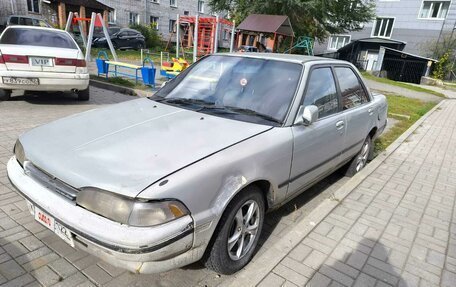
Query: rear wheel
[5,95]
[360,160]
[84,95]
[237,233]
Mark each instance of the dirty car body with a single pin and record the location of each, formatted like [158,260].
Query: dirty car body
[149,185]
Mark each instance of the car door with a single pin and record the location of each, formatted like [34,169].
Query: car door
[357,108]
[122,39]
[317,147]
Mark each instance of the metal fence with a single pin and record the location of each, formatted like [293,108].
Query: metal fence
[404,70]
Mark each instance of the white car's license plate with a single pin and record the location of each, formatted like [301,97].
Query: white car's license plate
[48,221]
[20,81]
[39,61]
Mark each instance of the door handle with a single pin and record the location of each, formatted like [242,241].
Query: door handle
[340,125]
[370,111]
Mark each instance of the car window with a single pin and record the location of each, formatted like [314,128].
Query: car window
[34,37]
[122,34]
[14,20]
[25,21]
[42,23]
[321,92]
[264,86]
[353,93]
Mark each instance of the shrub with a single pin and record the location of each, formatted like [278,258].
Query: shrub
[153,40]
[442,67]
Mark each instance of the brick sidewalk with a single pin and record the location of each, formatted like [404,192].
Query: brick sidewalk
[396,228]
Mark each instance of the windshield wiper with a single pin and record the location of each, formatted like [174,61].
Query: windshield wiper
[186,101]
[253,113]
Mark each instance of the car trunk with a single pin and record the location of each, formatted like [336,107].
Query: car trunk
[39,59]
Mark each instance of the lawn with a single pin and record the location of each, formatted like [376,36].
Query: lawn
[399,105]
[401,84]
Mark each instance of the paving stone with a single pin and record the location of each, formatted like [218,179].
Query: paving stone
[46,276]
[290,275]
[62,267]
[357,260]
[272,280]
[319,280]
[73,280]
[96,274]
[336,275]
[298,267]
[364,280]
[448,279]
[10,269]
[315,259]
[20,281]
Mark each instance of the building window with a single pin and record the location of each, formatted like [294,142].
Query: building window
[226,34]
[112,16]
[186,13]
[154,22]
[173,3]
[434,9]
[172,26]
[133,18]
[33,6]
[383,27]
[155,1]
[200,6]
[338,41]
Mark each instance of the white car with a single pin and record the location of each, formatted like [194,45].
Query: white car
[41,59]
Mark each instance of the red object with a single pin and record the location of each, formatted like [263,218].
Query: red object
[70,62]
[1,60]
[98,22]
[167,64]
[15,59]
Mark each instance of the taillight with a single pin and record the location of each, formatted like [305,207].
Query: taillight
[15,59]
[70,62]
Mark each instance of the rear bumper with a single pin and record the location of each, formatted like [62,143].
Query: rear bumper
[138,249]
[48,81]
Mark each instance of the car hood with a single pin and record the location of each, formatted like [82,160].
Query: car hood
[126,147]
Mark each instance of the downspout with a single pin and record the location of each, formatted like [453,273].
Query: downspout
[12,7]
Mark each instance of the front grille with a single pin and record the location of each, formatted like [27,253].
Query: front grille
[50,181]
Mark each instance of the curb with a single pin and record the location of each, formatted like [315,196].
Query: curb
[120,89]
[260,267]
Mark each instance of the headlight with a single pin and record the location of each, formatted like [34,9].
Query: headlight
[129,211]
[19,153]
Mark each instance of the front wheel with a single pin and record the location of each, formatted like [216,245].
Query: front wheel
[360,160]
[237,233]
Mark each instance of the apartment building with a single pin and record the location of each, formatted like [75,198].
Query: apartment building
[408,24]
[162,14]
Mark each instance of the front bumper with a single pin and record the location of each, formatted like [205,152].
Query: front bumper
[138,249]
[58,82]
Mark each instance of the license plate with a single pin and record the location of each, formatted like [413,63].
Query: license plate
[21,81]
[39,61]
[48,221]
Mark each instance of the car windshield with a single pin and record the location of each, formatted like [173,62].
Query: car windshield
[257,89]
[36,37]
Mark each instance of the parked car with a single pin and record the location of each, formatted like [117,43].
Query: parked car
[250,49]
[123,39]
[27,21]
[189,173]
[41,59]
[98,31]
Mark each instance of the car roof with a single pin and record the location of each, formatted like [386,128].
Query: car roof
[35,28]
[284,57]
[128,29]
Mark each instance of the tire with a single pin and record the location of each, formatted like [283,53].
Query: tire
[84,95]
[361,159]
[139,46]
[219,257]
[5,95]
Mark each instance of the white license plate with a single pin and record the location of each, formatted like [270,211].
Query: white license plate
[20,81]
[48,221]
[39,61]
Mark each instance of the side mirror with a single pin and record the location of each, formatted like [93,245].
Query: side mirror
[307,115]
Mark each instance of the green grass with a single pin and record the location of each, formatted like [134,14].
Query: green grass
[413,108]
[126,55]
[402,85]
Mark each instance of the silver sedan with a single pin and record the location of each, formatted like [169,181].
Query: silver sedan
[188,174]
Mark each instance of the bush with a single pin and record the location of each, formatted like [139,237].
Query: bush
[442,67]
[153,40]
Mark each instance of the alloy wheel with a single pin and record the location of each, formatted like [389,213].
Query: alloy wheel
[363,156]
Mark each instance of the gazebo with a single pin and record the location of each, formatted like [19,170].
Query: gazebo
[269,30]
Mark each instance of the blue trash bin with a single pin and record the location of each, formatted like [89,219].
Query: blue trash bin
[148,73]
[102,67]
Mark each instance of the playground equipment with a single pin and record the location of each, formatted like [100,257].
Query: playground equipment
[305,43]
[200,34]
[147,72]
[170,69]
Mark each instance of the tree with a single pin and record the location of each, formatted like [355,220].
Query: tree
[314,18]
[443,49]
